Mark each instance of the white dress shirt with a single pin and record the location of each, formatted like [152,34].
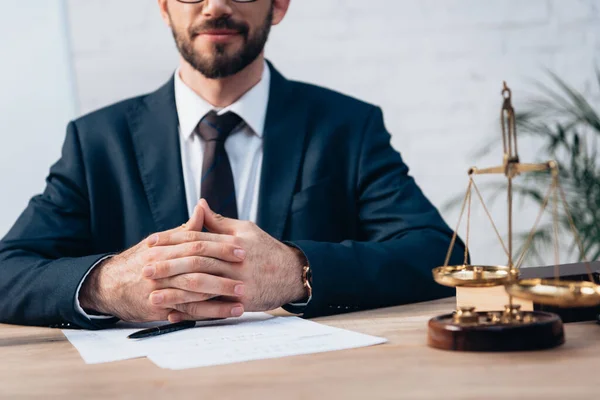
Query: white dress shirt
[244,148]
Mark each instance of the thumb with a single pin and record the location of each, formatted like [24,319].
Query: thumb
[196,221]
[216,223]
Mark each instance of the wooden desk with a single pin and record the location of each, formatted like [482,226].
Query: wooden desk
[39,362]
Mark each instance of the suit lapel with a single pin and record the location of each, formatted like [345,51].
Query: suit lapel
[283,147]
[154,131]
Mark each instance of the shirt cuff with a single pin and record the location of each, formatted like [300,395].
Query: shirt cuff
[78,307]
[296,308]
[304,304]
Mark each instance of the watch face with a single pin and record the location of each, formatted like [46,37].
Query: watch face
[307,274]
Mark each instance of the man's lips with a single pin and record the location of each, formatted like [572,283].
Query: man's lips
[219,35]
[219,32]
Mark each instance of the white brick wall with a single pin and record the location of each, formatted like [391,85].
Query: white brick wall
[434,66]
[37,99]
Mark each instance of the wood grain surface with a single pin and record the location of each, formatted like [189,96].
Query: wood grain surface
[41,363]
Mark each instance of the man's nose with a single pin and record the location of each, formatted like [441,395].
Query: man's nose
[216,8]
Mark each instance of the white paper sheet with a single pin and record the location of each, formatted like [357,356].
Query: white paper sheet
[274,338]
[253,336]
[113,345]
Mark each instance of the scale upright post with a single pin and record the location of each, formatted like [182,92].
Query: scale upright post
[511,163]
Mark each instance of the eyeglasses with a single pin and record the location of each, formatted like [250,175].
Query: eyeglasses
[200,1]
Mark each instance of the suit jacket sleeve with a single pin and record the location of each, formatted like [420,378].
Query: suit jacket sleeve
[46,254]
[403,237]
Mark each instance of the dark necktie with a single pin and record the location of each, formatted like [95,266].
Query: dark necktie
[216,183]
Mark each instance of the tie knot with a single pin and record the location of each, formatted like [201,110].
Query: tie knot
[217,127]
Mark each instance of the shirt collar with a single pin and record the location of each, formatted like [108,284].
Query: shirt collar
[251,107]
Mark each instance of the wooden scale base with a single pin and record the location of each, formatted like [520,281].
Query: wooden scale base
[466,330]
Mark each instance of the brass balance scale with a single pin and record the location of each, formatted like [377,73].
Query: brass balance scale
[511,329]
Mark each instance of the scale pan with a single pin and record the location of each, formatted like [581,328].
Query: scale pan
[556,292]
[471,275]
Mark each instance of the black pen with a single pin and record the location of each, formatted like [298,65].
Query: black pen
[160,330]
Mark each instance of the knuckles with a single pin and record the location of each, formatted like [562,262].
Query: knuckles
[151,255]
[198,247]
[189,236]
[162,269]
[207,264]
[190,308]
[190,282]
[197,263]
[224,250]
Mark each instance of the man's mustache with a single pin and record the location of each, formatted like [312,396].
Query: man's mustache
[219,23]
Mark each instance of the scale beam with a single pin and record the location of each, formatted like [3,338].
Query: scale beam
[514,168]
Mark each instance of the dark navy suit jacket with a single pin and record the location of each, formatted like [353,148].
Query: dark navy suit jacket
[331,184]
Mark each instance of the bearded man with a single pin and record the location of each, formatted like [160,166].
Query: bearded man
[229,189]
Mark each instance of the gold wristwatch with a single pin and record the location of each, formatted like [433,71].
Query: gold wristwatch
[298,308]
[307,280]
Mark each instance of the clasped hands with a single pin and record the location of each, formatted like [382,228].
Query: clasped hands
[187,274]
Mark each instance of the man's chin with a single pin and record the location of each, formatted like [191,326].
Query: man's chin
[215,69]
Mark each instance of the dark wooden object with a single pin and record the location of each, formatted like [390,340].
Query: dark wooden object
[546,332]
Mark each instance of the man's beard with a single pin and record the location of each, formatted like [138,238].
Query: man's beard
[219,64]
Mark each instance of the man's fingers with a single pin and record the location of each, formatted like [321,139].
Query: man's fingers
[217,223]
[153,239]
[202,254]
[206,309]
[196,221]
[168,298]
[180,236]
[187,265]
[177,316]
[204,283]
